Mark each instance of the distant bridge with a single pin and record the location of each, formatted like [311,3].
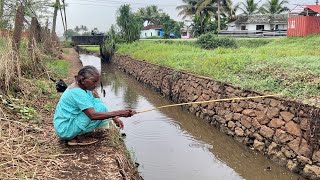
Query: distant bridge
[88,40]
[91,40]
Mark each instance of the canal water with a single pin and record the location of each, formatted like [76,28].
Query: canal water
[171,143]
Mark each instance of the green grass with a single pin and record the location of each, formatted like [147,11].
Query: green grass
[290,66]
[91,48]
[59,68]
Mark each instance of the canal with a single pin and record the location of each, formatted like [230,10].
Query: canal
[173,144]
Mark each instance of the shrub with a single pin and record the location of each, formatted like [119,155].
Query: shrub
[212,41]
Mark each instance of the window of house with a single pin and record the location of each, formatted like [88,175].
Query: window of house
[151,34]
[243,27]
[145,34]
[184,34]
[158,33]
[260,27]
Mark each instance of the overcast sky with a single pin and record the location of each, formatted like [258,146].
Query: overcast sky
[102,13]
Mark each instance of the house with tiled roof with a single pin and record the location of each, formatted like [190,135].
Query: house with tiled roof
[151,31]
[262,22]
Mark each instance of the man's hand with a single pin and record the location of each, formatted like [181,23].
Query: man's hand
[118,122]
[126,112]
[95,93]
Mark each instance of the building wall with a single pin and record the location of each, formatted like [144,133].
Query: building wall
[149,33]
[282,26]
[185,36]
[252,27]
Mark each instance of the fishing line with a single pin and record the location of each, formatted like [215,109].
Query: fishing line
[210,101]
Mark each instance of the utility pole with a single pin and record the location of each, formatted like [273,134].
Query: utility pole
[219,28]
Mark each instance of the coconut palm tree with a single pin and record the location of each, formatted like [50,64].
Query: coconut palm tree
[229,10]
[249,7]
[189,9]
[274,7]
[151,14]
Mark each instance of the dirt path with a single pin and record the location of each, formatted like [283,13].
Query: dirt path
[75,64]
[107,159]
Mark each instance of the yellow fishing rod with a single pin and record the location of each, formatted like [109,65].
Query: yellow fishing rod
[210,101]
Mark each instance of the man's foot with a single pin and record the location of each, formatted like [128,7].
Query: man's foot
[82,142]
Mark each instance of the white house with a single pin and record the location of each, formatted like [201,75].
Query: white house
[151,31]
[186,33]
[261,22]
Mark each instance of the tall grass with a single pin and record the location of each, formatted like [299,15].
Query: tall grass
[290,66]
[10,70]
[16,66]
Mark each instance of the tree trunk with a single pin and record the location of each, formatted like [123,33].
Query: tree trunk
[65,14]
[54,22]
[1,9]
[18,28]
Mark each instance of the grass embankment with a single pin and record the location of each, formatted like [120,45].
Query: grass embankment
[29,148]
[26,109]
[290,66]
[93,48]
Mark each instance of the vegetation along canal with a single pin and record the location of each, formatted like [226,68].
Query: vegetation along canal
[173,144]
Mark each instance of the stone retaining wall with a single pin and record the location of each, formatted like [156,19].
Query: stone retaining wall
[283,130]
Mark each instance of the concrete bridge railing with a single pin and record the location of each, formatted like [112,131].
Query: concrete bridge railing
[88,40]
[92,40]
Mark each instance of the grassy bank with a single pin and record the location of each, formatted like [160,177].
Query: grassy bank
[26,109]
[93,48]
[290,66]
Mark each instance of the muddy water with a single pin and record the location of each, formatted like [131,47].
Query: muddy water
[174,144]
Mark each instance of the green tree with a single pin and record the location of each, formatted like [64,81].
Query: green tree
[83,28]
[249,7]
[129,23]
[274,7]
[188,9]
[206,15]
[77,29]
[150,14]
[1,9]
[229,10]
[69,33]
[41,9]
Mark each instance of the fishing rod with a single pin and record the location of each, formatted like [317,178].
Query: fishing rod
[210,101]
